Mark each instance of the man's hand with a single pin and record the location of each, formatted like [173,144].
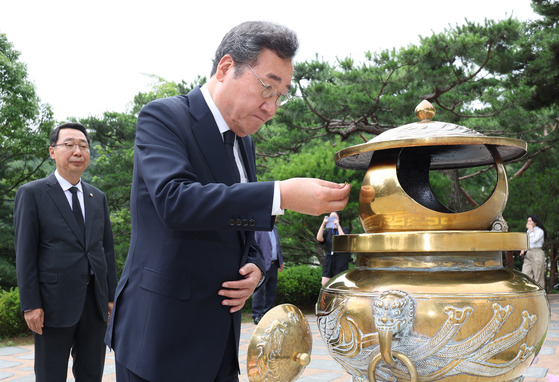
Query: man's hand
[35,319]
[313,196]
[111,305]
[237,292]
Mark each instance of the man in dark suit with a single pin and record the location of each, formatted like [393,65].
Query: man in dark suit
[263,297]
[65,267]
[195,205]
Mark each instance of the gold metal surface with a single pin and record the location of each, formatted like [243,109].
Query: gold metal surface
[429,298]
[425,111]
[454,146]
[405,360]
[432,241]
[391,208]
[280,346]
[455,326]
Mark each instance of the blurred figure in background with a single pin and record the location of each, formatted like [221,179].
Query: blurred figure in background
[334,262]
[263,297]
[534,257]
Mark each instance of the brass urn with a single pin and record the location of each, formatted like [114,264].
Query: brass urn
[429,298]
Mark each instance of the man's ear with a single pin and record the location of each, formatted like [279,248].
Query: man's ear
[51,152]
[226,64]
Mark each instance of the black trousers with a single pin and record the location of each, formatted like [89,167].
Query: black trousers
[83,340]
[228,371]
[263,298]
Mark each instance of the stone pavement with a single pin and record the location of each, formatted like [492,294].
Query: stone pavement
[16,363]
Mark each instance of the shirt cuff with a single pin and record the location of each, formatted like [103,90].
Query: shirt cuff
[276,204]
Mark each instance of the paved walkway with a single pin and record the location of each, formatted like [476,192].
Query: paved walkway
[16,363]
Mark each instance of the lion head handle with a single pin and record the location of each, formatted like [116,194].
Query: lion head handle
[393,312]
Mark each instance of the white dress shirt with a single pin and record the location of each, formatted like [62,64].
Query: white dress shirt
[66,187]
[535,238]
[223,127]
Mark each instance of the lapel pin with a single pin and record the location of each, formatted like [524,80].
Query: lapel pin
[90,195]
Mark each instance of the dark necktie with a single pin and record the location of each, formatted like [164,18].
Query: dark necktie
[76,207]
[229,140]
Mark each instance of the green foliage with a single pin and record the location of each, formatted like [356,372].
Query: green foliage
[471,73]
[535,193]
[25,125]
[540,52]
[122,229]
[12,322]
[499,78]
[7,273]
[299,286]
[162,89]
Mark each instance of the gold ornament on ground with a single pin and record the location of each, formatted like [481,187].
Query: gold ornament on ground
[280,347]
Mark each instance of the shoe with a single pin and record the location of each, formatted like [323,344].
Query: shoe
[257,320]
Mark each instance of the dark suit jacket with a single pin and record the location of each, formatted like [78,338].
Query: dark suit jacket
[263,240]
[51,256]
[192,229]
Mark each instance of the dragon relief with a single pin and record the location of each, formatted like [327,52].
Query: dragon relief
[434,358]
[271,347]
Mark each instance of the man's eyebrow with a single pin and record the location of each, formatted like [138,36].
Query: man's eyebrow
[277,78]
[74,139]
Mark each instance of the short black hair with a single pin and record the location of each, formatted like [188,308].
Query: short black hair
[68,125]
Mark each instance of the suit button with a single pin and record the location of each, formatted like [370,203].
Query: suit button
[252,222]
[238,222]
[231,222]
[245,222]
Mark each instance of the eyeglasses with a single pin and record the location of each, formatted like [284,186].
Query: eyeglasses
[71,146]
[270,91]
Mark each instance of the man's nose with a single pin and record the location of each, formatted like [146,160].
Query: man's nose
[77,150]
[269,106]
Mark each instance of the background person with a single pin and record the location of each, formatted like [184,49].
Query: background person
[534,258]
[65,262]
[195,206]
[264,296]
[334,262]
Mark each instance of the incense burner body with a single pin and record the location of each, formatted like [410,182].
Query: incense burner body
[451,316]
[429,298]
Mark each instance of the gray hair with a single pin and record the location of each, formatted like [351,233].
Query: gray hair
[245,42]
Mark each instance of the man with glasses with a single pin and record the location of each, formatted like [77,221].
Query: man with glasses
[65,262]
[195,206]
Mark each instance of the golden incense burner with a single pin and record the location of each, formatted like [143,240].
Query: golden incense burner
[429,298]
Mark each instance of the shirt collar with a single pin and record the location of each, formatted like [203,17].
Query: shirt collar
[221,124]
[65,184]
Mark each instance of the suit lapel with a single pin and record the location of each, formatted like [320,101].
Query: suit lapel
[209,139]
[61,202]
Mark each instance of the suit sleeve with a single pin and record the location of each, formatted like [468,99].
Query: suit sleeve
[108,247]
[280,253]
[176,174]
[26,227]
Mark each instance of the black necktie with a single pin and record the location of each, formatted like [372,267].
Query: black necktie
[76,207]
[229,140]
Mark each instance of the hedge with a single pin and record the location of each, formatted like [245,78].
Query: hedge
[12,322]
[298,285]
